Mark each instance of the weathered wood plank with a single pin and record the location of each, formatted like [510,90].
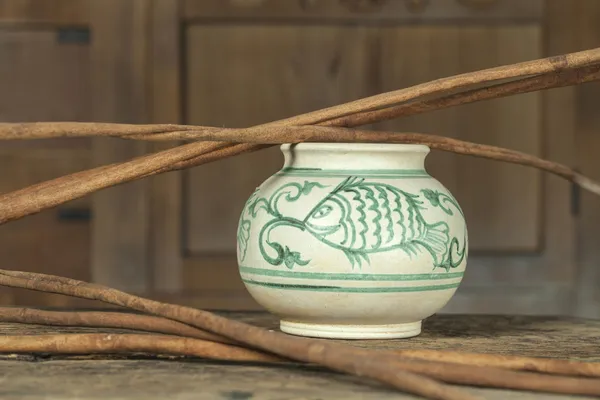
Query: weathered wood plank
[144,380]
[166,189]
[43,79]
[553,337]
[588,145]
[120,224]
[158,377]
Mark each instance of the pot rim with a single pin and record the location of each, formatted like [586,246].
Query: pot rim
[347,146]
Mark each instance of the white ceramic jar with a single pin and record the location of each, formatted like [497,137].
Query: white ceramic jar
[352,241]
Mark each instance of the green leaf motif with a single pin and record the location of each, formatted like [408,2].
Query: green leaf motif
[308,186]
[243,232]
[243,236]
[290,258]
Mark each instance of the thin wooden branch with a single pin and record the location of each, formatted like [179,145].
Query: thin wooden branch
[160,132]
[518,363]
[50,194]
[555,71]
[554,64]
[46,130]
[113,343]
[336,357]
[520,86]
[378,365]
[35,198]
[103,319]
[146,323]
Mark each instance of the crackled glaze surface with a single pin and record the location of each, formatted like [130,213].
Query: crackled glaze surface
[352,240]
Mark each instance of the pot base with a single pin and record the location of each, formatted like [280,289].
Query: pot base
[389,331]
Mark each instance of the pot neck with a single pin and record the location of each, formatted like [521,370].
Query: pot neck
[354,156]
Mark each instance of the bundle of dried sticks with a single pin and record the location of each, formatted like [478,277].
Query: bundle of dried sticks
[172,329]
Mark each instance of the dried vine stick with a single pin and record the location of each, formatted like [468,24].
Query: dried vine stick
[379,365]
[153,324]
[49,194]
[519,363]
[102,319]
[554,64]
[160,132]
[35,198]
[520,86]
[336,357]
[548,72]
[93,343]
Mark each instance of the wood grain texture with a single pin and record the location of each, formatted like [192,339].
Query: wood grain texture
[47,12]
[120,227]
[383,11]
[515,198]
[226,289]
[184,380]
[261,67]
[46,81]
[587,14]
[151,377]
[540,281]
[166,191]
[530,336]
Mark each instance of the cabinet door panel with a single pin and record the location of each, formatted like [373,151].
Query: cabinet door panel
[44,80]
[258,74]
[501,201]
[241,76]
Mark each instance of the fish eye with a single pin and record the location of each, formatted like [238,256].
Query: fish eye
[323,211]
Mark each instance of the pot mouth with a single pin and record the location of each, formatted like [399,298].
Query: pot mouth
[355,147]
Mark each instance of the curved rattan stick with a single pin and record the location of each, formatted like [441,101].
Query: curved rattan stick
[148,323]
[159,132]
[383,366]
[35,198]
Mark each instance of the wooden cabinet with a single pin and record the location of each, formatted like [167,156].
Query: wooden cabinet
[44,76]
[238,63]
[62,60]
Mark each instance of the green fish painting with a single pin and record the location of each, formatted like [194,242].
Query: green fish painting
[360,218]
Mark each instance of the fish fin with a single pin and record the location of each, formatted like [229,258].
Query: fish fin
[350,256]
[356,257]
[411,248]
[348,182]
[365,256]
[437,237]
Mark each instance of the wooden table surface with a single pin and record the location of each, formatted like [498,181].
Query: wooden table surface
[37,376]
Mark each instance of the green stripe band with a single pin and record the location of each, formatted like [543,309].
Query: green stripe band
[317,172]
[360,175]
[314,288]
[350,277]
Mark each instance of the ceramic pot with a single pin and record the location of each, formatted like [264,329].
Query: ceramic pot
[352,241]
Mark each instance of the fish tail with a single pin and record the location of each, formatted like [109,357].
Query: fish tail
[436,236]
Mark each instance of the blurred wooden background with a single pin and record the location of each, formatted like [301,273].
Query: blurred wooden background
[235,63]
